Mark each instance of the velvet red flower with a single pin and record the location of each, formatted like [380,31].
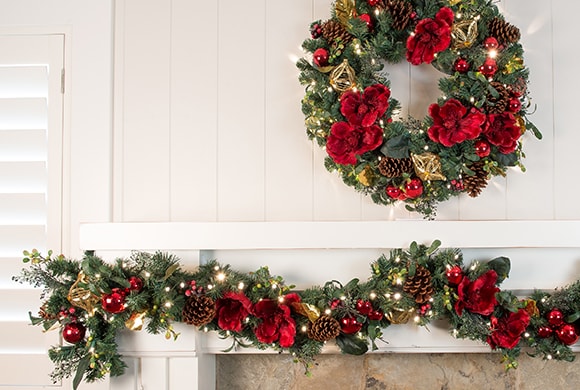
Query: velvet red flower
[231,310]
[363,109]
[346,141]
[508,330]
[453,124]
[277,324]
[431,36]
[502,131]
[477,296]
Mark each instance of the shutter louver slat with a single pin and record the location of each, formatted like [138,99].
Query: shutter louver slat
[23,81]
[23,113]
[23,145]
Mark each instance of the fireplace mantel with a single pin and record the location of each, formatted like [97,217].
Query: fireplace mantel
[528,241]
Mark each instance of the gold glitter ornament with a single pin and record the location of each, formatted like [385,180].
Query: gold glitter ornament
[135,322]
[399,316]
[453,2]
[82,297]
[427,166]
[342,78]
[366,177]
[464,34]
[307,310]
[345,10]
[521,123]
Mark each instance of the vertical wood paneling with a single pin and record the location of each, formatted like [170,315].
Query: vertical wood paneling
[288,154]
[194,111]
[241,62]
[566,87]
[146,102]
[534,19]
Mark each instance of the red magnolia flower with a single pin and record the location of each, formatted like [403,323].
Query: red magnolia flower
[277,324]
[231,310]
[508,330]
[503,131]
[345,141]
[364,109]
[453,124]
[477,296]
[431,36]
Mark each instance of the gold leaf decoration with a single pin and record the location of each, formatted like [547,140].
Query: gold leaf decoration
[342,78]
[345,11]
[427,166]
[453,2]
[464,34]
[399,316]
[307,310]
[82,297]
[135,322]
[366,177]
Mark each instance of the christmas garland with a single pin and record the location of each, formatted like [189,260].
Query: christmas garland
[472,133]
[90,301]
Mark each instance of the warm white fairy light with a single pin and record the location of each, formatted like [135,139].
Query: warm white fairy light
[98,276]
[471,99]
[417,319]
[342,298]
[526,335]
[397,259]
[329,89]
[426,147]
[327,312]
[182,285]
[209,286]
[168,304]
[220,277]
[274,286]
[372,295]
[147,274]
[216,268]
[205,329]
[281,299]
[492,53]
[304,329]
[167,289]
[397,296]
[241,286]
[399,281]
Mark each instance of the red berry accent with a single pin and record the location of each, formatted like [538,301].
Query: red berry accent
[544,332]
[364,307]
[367,19]
[375,315]
[514,105]
[454,275]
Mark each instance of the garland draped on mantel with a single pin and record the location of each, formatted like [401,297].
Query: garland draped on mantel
[89,301]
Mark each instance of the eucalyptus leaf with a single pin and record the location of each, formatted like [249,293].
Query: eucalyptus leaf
[170,271]
[501,265]
[352,345]
[84,364]
[397,147]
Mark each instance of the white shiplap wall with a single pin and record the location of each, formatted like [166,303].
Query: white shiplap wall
[209,126]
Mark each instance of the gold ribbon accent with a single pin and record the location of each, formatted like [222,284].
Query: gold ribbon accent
[342,78]
[135,322]
[464,34]
[427,166]
[307,310]
[82,297]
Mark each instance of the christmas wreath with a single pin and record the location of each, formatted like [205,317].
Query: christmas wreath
[472,133]
[90,301]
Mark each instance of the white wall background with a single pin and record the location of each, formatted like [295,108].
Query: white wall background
[189,110]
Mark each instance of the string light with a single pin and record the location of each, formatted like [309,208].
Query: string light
[221,277]
[327,312]
[167,289]
[241,286]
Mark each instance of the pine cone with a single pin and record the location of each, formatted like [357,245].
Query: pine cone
[198,310]
[324,328]
[419,285]
[497,105]
[333,32]
[503,31]
[395,167]
[477,182]
[401,12]
[42,313]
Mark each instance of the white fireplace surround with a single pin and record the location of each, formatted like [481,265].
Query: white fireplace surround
[544,254]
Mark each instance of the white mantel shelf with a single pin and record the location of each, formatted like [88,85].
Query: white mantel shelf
[332,235]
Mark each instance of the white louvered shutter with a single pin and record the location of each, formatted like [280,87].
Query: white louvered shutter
[31,127]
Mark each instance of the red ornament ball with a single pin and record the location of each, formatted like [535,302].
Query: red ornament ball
[414,188]
[489,67]
[567,334]
[454,275]
[555,317]
[373,3]
[367,19]
[544,332]
[136,284]
[461,65]
[514,105]
[364,307]
[490,43]
[482,148]
[375,315]
[395,192]
[350,325]
[113,302]
[73,332]
[320,56]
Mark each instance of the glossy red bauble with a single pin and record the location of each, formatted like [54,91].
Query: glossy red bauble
[373,3]
[349,325]
[490,43]
[375,315]
[489,67]
[136,284]
[545,332]
[113,302]
[461,65]
[364,307]
[367,19]
[394,192]
[482,148]
[73,332]
[320,57]
[414,188]
[514,105]
[454,275]
[555,317]
[567,334]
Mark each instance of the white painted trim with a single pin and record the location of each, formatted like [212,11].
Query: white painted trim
[335,235]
